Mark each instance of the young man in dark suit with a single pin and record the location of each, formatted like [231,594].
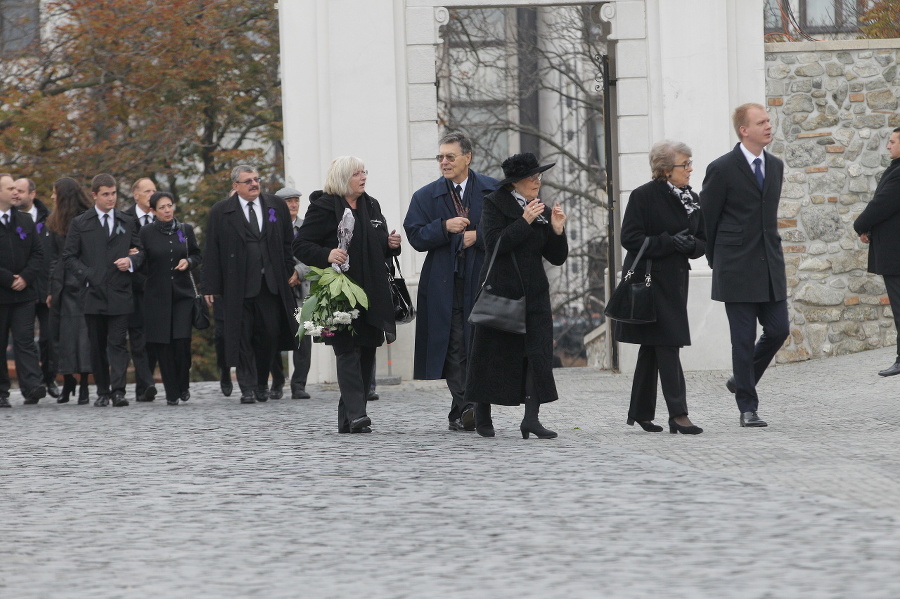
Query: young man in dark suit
[26,201]
[879,226]
[21,261]
[247,263]
[103,250]
[141,355]
[443,220]
[740,207]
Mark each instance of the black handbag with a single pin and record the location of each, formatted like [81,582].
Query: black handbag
[199,310]
[498,312]
[632,302]
[403,307]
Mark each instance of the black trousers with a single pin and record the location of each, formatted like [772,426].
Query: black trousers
[174,365]
[657,363]
[109,352]
[892,284]
[749,360]
[456,361]
[140,353]
[302,357]
[354,374]
[259,340]
[45,341]
[19,318]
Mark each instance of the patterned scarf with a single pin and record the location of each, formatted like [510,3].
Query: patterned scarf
[684,194]
[523,202]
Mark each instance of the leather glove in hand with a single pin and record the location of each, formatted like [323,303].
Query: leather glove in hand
[684,242]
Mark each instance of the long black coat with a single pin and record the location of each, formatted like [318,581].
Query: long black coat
[496,370]
[881,220]
[67,324]
[430,208]
[368,252]
[89,254]
[742,242]
[170,295]
[40,226]
[654,211]
[225,265]
[21,253]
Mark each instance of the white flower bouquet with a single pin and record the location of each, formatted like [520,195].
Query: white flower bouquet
[333,303]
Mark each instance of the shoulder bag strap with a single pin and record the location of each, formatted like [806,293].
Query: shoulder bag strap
[491,265]
[637,259]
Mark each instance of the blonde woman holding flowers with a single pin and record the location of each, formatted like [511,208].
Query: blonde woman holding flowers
[345,229]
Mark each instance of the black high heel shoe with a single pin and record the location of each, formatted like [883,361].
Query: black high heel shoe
[84,395]
[676,428]
[647,425]
[538,429]
[67,390]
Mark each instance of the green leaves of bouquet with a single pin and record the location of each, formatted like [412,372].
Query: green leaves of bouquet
[333,303]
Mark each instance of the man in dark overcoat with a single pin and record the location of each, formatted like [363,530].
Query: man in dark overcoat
[141,355]
[21,264]
[879,226]
[103,250]
[247,263]
[26,200]
[443,219]
[740,207]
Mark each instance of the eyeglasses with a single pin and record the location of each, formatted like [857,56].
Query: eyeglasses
[536,177]
[687,164]
[248,181]
[360,173]
[450,157]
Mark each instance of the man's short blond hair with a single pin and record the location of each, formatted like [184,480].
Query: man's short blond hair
[739,118]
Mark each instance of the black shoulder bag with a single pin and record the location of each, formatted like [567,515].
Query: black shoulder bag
[632,302]
[498,312]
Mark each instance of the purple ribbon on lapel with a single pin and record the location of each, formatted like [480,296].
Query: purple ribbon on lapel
[272,218]
[181,236]
[40,227]
[22,234]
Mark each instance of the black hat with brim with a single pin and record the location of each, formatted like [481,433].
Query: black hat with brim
[520,166]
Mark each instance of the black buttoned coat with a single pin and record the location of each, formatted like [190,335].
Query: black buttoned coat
[225,265]
[169,296]
[881,220]
[496,369]
[743,246]
[654,212]
[89,254]
[21,253]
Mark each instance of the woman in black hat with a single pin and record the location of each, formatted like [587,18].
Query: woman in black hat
[507,368]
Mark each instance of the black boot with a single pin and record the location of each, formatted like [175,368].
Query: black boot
[68,388]
[484,426]
[531,424]
[84,392]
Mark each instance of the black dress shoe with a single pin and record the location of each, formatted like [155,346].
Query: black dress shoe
[185,396]
[84,396]
[893,370]
[468,418]
[262,396]
[35,395]
[119,401]
[4,402]
[53,389]
[676,428]
[729,384]
[360,423]
[750,419]
[365,429]
[102,401]
[456,425]
[171,402]
[149,394]
[647,425]
[485,430]
[248,398]
[372,396]
[227,387]
[299,394]
[276,392]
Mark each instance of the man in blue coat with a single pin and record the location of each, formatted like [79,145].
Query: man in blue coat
[443,220]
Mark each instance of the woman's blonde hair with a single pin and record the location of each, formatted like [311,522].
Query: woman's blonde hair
[337,179]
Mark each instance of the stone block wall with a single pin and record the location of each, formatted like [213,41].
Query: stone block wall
[833,106]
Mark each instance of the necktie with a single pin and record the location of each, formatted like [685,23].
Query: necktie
[146,219]
[461,209]
[254,222]
[758,172]
[106,224]
[6,220]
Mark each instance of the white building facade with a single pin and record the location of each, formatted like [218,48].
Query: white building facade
[359,78]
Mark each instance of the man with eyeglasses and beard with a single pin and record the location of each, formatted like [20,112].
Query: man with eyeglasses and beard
[443,220]
[247,265]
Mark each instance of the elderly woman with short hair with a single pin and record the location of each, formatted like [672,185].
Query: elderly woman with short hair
[667,213]
[316,245]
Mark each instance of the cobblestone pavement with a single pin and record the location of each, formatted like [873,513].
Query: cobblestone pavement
[213,499]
